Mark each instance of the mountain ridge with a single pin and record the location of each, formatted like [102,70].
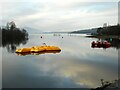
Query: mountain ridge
[32,30]
[86,31]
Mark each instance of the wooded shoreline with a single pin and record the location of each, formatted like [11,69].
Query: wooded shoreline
[104,36]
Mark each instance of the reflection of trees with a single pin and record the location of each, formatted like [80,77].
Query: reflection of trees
[115,42]
[11,45]
[13,37]
[107,85]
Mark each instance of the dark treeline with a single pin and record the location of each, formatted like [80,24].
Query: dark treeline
[13,36]
[109,30]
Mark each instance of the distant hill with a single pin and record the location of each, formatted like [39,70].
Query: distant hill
[32,30]
[56,32]
[87,31]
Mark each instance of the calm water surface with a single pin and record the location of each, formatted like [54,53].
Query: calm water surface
[77,65]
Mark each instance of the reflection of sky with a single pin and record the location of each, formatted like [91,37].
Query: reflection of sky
[77,65]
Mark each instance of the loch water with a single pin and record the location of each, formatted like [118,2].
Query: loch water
[78,65]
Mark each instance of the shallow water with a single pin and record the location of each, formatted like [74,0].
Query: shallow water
[76,66]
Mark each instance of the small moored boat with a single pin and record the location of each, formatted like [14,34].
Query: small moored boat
[99,44]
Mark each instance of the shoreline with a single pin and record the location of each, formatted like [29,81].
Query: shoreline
[104,36]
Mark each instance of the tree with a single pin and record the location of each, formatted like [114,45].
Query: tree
[10,25]
[12,36]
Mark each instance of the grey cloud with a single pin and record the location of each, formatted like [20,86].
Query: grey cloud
[56,15]
[19,9]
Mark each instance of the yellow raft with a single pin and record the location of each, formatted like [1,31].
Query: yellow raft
[37,53]
[38,49]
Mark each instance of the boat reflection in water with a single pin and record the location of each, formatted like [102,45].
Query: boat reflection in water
[100,44]
[37,53]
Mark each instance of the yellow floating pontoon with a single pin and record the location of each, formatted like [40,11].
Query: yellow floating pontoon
[51,48]
[24,50]
[38,49]
[37,53]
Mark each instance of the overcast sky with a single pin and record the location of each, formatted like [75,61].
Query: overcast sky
[59,15]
